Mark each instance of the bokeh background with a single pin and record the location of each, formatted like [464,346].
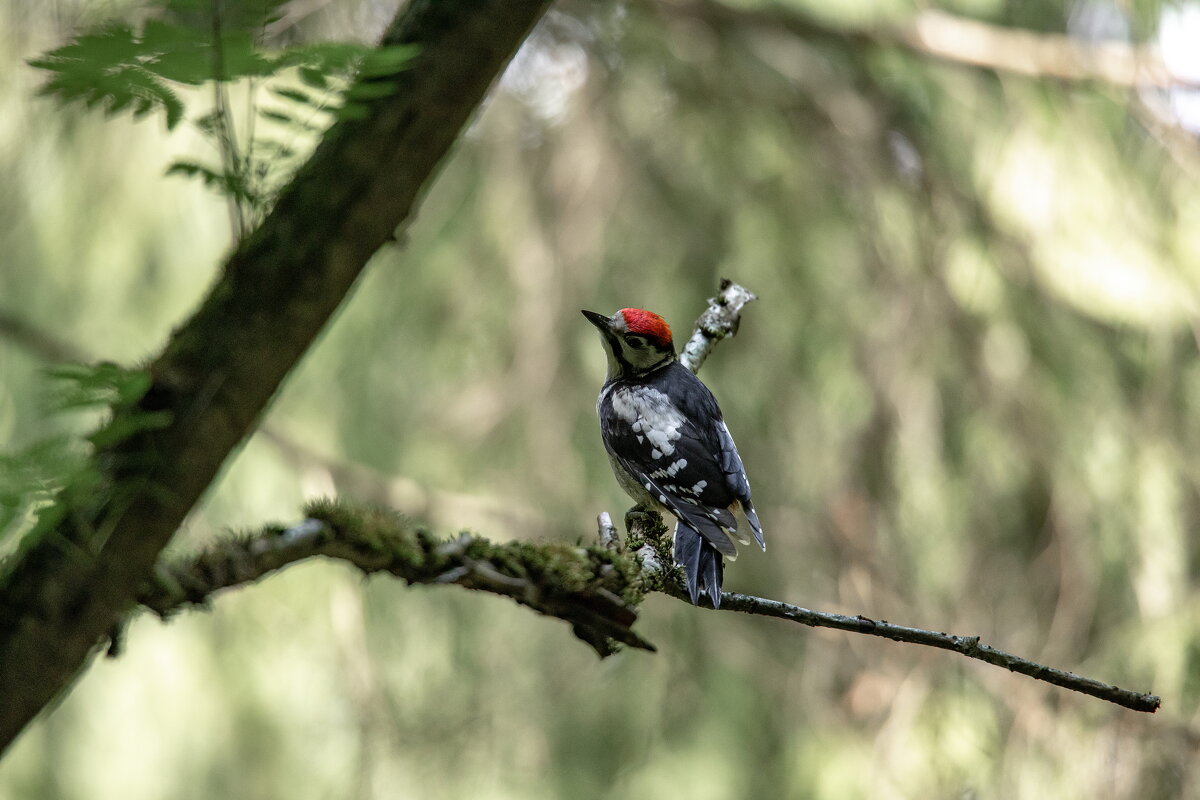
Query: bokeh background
[966,399]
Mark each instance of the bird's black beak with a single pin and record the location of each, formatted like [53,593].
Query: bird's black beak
[601,321]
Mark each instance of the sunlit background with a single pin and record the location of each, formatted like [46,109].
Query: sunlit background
[966,398]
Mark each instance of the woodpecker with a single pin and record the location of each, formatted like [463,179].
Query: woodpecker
[669,447]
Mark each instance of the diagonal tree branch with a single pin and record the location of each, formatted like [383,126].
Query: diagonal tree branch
[220,369]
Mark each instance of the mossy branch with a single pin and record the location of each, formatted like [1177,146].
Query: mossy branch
[720,319]
[596,589]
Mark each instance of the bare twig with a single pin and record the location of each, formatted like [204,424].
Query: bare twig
[606,532]
[226,134]
[670,582]
[720,319]
[969,646]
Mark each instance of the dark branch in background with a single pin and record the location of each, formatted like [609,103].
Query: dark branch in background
[435,506]
[596,589]
[37,341]
[956,40]
[72,583]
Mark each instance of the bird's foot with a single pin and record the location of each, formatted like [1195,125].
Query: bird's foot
[645,526]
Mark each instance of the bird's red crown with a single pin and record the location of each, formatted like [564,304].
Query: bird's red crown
[648,324]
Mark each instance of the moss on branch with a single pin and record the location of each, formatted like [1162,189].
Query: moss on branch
[595,589]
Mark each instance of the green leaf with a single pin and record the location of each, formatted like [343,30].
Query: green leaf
[240,58]
[191,67]
[109,46]
[371,90]
[281,116]
[314,77]
[327,58]
[192,169]
[352,111]
[177,53]
[113,88]
[277,116]
[70,372]
[295,95]
[78,386]
[389,60]
[275,150]
[122,426]
[29,479]
[209,123]
[131,386]
[234,17]
[231,185]
[117,104]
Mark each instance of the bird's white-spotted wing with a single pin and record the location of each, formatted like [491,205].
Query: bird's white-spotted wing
[680,461]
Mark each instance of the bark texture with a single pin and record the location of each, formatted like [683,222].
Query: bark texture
[219,370]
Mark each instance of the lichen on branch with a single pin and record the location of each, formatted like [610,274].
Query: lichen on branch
[595,589]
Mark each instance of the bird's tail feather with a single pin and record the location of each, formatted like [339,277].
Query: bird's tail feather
[701,562]
[714,572]
[755,525]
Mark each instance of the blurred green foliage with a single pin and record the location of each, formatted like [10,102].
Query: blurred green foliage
[59,465]
[121,68]
[964,399]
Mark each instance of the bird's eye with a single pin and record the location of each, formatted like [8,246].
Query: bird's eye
[635,342]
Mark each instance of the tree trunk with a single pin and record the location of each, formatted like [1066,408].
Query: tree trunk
[220,369]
